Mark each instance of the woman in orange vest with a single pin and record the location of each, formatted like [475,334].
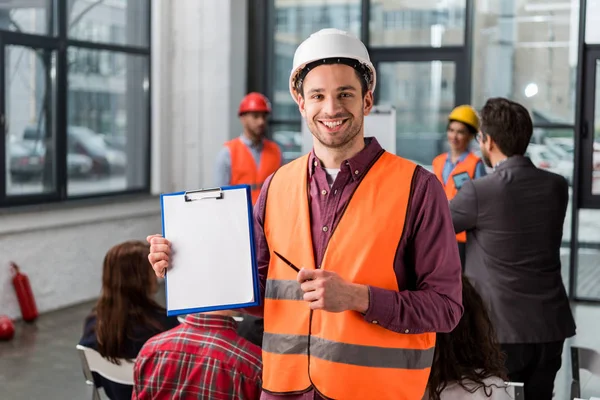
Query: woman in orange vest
[250,158]
[459,164]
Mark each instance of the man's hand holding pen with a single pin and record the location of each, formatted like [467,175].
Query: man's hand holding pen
[326,290]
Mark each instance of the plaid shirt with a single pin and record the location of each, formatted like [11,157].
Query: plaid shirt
[203,358]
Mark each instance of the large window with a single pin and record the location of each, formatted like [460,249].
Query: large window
[527,51]
[419,23]
[75,99]
[433,55]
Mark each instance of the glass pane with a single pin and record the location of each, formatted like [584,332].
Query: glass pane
[294,22]
[418,23]
[588,265]
[289,139]
[528,53]
[592,25]
[28,16]
[30,100]
[423,95]
[123,22]
[596,149]
[107,142]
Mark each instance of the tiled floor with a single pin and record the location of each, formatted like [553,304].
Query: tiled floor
[41,361]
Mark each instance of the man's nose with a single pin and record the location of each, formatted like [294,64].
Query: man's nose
[331,106]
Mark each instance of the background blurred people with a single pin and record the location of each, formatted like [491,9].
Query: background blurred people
[250,158]
[459,164]
[203,358]
[126,314]
[514,222]
[468,363]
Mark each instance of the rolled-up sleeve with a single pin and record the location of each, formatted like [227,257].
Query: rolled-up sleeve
[427,267]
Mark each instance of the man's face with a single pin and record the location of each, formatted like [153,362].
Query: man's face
[484,147]
[458,136]
[333,105]
[255,124]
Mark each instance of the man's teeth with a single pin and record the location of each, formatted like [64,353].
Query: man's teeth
[332,124]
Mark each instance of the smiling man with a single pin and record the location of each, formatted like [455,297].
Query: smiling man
[371,233]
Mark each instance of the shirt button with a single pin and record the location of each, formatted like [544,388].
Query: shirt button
[406,331]
[356,172]
[324,192]
[375,322]
[316,163]
[324,229]
[335,191]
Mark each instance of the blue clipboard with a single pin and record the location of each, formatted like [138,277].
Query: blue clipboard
[226,214]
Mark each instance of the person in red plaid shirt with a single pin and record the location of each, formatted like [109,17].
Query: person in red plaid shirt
[203,358]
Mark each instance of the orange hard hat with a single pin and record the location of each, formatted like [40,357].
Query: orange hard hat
[254,102]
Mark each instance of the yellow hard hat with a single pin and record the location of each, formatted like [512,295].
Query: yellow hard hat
[465,114]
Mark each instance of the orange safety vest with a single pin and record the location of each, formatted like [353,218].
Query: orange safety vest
[468,165]
[244,170]
[341,355]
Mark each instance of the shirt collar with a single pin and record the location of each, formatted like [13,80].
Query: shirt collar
[513,161]
[357,165]
[461,158]
[249,142]
[210,321]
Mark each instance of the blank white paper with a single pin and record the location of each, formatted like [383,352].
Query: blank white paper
[211,261]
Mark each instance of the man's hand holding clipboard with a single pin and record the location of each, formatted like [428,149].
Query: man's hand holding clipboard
[160,252]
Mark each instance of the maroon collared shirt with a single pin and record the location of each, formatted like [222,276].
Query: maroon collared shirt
[427,260]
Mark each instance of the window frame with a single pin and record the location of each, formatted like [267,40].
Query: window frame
[60,44]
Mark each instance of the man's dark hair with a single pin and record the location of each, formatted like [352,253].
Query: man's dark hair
[362,73]
[508,123]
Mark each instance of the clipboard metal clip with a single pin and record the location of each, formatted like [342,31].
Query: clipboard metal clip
[203,194]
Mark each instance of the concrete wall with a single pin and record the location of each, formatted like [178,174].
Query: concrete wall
[198,79]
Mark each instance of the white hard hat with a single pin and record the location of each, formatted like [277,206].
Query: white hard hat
[331,43]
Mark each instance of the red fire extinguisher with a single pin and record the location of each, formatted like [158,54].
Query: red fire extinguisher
[24,294]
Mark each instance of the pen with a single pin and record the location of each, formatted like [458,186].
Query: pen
[287,262]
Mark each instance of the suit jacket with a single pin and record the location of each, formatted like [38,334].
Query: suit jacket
[514,222]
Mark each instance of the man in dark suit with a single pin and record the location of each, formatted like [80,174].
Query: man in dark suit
[514,222]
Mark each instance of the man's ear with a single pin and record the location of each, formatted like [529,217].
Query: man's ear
[368,103]
[489,143]
[301,104]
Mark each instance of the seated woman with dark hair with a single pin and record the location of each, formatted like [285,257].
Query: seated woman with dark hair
[468,363]
[126,314]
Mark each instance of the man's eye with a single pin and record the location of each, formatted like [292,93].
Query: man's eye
[317,96]
[346,95]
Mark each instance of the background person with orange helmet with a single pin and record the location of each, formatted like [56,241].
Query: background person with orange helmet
[250,158]
[459,164]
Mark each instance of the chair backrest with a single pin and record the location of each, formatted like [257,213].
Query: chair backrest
[92,361]
[516,390]
[582,358]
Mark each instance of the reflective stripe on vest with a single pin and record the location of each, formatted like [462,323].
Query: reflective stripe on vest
[341,355]
[367,356]
[468,165]
[243,166]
